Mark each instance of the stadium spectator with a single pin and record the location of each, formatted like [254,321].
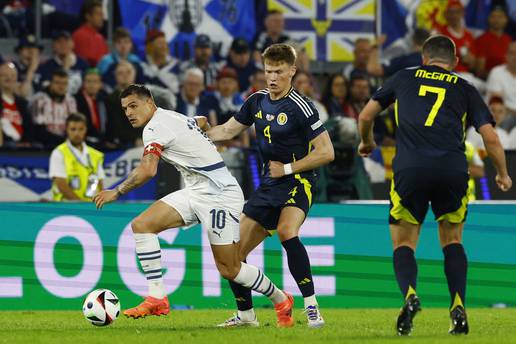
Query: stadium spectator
[258,82]
[63,59]
[376,68]
[229,100]
[239,58]
[89,42]
[75,168]
[335,95]
[50,108]
[123,46]
[503,126]
[160,68]
[191,101]
[91,102]
[491,47]
[27,63]
[456,30]
[361,55]
[274,33]
[502,80]
[359,94]
[475,169]
[15,120]
[203,55]
[120,133]
[303,83]
[499,111]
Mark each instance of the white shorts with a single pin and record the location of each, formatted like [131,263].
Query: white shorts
[219,214]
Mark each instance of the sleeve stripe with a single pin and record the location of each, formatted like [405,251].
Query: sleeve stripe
[316,125]
[302,104]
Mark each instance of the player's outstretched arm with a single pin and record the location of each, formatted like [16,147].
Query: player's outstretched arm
[496,153]
[226,131]
[321,154]
[365,127]
[139,176]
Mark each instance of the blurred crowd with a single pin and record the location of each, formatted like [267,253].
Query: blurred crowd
[40,89]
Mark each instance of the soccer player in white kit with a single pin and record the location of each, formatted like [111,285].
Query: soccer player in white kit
[211,196]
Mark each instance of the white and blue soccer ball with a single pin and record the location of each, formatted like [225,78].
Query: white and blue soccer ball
[101,307]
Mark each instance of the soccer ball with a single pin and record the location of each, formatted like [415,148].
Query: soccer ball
[101,307]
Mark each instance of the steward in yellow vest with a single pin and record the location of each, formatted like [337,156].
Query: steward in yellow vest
[75,168]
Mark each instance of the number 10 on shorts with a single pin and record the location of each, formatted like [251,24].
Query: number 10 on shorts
[218,219]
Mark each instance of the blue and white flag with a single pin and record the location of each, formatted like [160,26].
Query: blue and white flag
[181,20]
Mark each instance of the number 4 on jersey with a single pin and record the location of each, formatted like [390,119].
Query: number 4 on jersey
[267,133]
[441,93]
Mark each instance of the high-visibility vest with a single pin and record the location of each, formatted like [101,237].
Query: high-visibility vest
[77,174]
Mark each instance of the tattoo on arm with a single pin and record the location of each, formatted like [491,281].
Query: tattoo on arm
[140,175]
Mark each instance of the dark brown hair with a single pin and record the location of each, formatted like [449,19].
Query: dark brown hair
[440,48]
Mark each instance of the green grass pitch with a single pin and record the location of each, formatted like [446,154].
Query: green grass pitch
[196,326]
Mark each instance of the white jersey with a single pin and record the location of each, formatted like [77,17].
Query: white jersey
[179,141]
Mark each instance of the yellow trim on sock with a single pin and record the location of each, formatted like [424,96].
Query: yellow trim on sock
[410,291]
[457,301]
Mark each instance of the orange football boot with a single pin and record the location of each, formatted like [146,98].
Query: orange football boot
[150,306]
[284,311]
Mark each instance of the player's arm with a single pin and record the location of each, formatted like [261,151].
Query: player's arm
[65,189]
[321,154]
[139,176]
[365,127]
[202,122]
[496,153]
[226,131]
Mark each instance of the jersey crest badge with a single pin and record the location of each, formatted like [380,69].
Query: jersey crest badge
[282,118]
[270,117]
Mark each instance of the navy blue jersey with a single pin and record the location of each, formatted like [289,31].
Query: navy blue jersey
[284,127]
[433,108]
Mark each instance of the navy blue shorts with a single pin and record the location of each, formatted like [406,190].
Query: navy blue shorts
[413,190]
[267,202]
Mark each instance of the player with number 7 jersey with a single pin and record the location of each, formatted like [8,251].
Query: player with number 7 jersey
[211,196]
[432,108]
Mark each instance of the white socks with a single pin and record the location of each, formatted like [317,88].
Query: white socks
[310,301]
[248,315]
[251,277]
[149,254]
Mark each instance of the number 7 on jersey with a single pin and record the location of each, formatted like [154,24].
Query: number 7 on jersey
[441,93]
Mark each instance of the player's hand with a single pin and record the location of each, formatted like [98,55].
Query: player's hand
[104,197]
[504,183]
[365,149]
[276,169]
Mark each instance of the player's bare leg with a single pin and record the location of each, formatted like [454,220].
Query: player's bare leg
[231,268]
[455,268]
[289,224]
[158,217]
[404,237]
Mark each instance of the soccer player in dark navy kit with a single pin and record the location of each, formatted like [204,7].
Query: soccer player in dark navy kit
[293,142]
[433,107]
